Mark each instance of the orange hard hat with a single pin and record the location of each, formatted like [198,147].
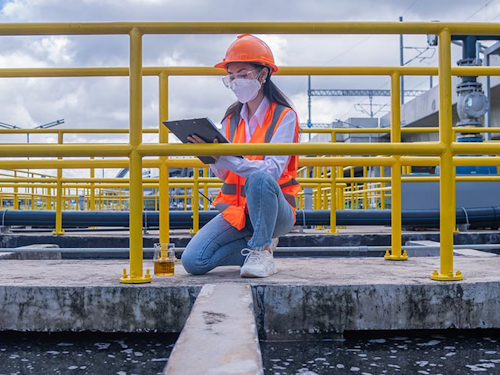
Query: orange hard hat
[248,48]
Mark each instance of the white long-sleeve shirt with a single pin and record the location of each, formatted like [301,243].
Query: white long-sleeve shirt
[274,164]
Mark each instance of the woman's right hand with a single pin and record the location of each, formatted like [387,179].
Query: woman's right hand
[195,139]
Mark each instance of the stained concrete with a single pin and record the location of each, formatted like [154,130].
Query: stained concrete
[316,296]
[220,336]
[29,254]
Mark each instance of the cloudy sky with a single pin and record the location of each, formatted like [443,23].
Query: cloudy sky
[103,102]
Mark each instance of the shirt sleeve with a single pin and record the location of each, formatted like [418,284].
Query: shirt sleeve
[273,164]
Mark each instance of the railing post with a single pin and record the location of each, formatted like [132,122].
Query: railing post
[365,187]
[396,252]
[164,215]
[120,201]
[135,139]
[333,193]
[447,173]
[92,188]
[205,190]
[195,201]
[16,190]
[59,194]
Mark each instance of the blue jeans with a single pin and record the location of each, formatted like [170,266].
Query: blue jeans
[220,244]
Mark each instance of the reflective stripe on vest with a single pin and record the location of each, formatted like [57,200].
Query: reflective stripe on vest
[292,181]
[230,189]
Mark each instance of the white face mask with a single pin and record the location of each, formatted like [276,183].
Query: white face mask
[245,89]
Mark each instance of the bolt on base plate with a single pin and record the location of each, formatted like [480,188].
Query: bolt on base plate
[126,279]
[390,256]
[447,277]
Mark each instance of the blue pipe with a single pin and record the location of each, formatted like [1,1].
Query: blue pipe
[482,217]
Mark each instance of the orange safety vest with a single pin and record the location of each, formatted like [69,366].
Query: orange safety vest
[231,201]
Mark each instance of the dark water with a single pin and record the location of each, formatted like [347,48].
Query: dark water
[82,354]
[406,354]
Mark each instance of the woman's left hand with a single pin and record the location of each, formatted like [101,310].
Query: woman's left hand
[195,139]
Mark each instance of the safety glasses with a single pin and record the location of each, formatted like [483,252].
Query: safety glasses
[251,74]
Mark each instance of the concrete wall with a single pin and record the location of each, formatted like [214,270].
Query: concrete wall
[94,308]
[285,311]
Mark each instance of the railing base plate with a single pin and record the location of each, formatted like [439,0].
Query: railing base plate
[126,279]
[389,256]
[447,277]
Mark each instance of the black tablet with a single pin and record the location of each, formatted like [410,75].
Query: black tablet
[202,127]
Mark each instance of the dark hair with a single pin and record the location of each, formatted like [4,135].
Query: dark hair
[271,92]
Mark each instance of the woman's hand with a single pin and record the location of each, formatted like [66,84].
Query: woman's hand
[195,139]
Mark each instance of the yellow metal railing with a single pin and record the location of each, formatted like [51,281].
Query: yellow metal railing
[394,154]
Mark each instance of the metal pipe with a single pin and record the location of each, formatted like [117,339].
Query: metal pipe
[281,249]
[114,28]
[135,138]
[477,217]
[447,187]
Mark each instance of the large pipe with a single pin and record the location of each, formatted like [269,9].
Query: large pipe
[484,217]
[284,249]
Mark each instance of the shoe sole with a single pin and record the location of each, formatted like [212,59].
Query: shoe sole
[254,275]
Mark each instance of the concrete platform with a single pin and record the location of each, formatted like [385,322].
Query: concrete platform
[309,296]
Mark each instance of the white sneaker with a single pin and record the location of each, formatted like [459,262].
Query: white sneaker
[258,263]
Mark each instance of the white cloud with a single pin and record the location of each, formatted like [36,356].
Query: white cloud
[277,44]
[57,49]
[20,59]
[175,59]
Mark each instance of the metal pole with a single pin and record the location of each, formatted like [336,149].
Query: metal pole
[135,139]
[333,193]
[59,194]
[402,62]
[309,121]
[488,95]
[396,221]
[164,215]
[447,169]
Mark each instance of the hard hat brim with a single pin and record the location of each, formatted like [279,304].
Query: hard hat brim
[225,63]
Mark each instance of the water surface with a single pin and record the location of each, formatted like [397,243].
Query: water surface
[404,353]
[82,354]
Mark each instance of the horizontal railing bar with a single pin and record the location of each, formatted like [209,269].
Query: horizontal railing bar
[68,150]
[75,131]
[476,160]
[338,161]
[475,148]
[303,130]
[428,148]
[476,129]
[196,163]
[116,28]
[419,161]
[366,130]
[311,249]
[210,71]
[211,182]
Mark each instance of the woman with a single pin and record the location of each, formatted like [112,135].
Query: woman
[257,199]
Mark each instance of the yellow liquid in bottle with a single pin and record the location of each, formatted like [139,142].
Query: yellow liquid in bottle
[164,267]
